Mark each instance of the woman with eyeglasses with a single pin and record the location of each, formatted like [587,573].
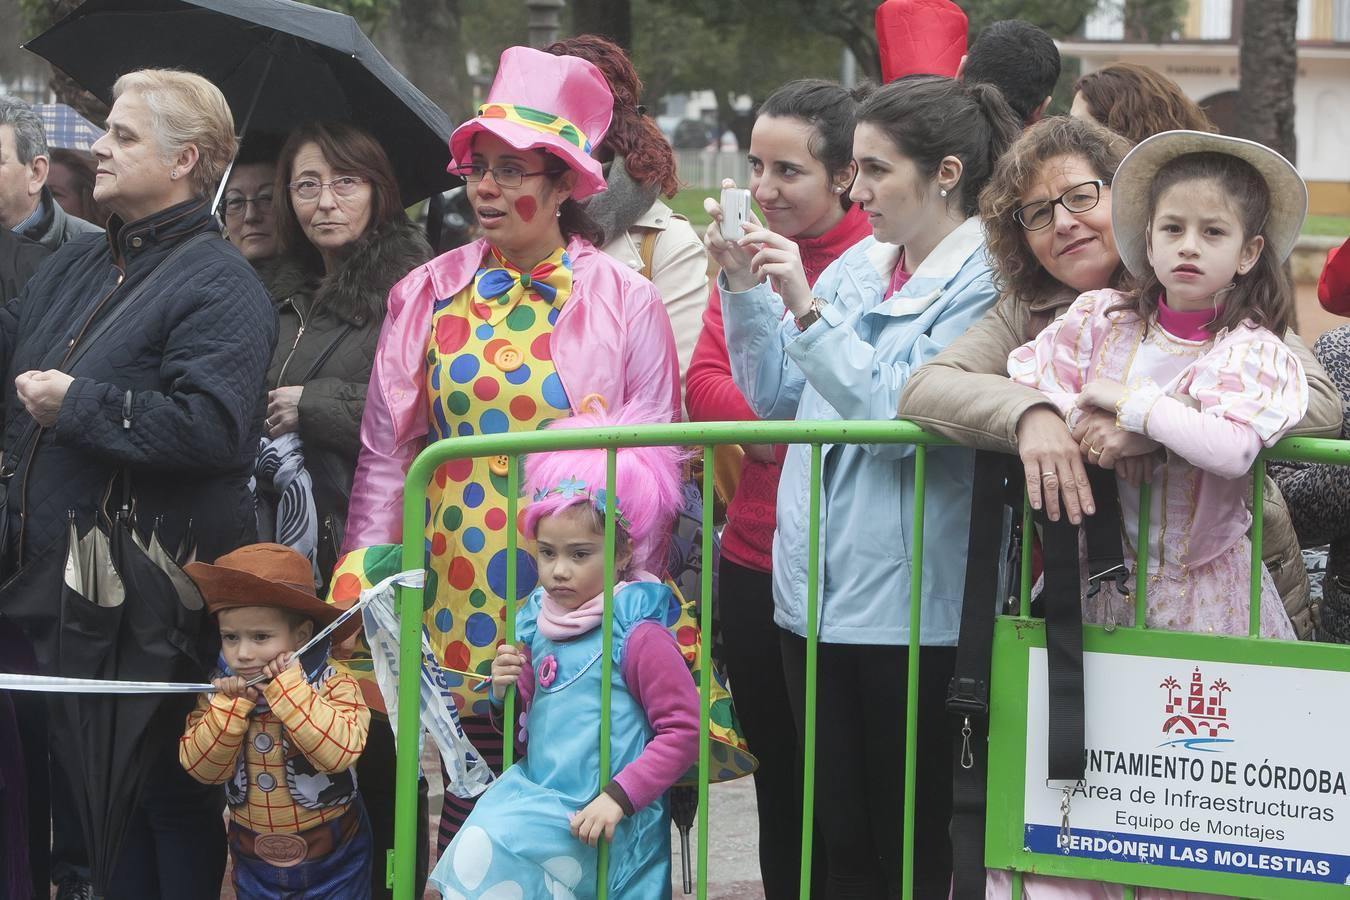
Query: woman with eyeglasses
[1047,214]
[344,241]
[524,326]
[341,242]
[246,208]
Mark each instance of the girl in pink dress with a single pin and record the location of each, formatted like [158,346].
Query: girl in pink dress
[1193,364]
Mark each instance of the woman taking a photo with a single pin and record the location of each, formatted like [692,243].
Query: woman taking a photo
[1047,212]
[924,147]
[508,333]
[801,163]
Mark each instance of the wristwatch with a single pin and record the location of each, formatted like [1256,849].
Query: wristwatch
[808,318]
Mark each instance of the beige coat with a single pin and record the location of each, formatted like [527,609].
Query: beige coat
[965,394]
[679,269]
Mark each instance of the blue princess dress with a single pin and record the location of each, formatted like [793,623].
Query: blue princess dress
[517,843]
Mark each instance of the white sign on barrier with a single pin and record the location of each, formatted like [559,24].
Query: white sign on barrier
[1203,765]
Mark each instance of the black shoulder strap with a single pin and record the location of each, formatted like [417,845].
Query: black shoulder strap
[1064,614]
[968,692]
[997,479]
[327,352]
[161,271]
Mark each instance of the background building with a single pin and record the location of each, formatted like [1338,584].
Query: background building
[1203,59]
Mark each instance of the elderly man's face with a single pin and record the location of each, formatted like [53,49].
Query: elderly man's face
[133,178]
[20,185]
[65,185]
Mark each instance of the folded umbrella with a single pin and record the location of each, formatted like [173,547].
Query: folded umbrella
[109,606]
[278,63]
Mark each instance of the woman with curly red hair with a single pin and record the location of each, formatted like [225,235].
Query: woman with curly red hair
[639,229]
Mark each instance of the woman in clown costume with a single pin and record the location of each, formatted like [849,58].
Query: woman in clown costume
[508,333]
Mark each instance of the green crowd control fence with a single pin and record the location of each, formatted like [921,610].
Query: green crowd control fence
[1017,671]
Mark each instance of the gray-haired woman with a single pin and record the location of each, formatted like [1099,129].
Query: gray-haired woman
[162,387]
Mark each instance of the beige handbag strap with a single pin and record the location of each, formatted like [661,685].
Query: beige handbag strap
[646,250]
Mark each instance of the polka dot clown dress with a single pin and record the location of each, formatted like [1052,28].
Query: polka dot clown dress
[489,371]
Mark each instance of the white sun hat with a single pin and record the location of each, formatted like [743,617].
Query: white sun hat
[1132,186]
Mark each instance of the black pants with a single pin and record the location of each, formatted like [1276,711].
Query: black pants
[375,777]
[175,839]
[752,652]
[860,765]
[55,837]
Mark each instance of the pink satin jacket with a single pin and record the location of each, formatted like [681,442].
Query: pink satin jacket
[612,338]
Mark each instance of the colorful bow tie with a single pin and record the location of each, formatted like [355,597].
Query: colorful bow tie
[506,284]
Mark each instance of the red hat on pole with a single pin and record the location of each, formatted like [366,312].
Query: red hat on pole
[920,37]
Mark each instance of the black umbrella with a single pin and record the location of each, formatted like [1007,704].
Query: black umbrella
[110,607]
[279,64]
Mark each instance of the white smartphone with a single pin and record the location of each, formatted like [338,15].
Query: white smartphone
[735,212]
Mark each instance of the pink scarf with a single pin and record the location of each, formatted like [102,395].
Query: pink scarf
[558,623]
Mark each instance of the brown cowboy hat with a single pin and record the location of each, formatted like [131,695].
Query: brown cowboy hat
[271,575]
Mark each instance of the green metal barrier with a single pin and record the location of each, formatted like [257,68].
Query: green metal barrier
[708,435]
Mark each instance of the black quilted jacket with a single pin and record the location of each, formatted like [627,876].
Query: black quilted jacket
[192,355]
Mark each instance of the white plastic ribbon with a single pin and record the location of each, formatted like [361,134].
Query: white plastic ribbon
[55,684]
[468,775]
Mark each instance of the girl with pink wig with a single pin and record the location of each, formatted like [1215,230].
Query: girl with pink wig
[534,832]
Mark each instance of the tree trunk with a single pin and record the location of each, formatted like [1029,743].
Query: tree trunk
[608,18]
[854,24]
[1267,68]
[427,45]
[1152,21]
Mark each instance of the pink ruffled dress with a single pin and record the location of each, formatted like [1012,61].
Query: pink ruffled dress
[1213,401]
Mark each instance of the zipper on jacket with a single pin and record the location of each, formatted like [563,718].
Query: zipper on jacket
[298,335]
[37,441]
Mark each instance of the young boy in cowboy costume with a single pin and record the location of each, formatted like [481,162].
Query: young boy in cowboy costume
[285,749]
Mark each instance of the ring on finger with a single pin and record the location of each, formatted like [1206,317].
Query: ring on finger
[1048,476]
[1092,449]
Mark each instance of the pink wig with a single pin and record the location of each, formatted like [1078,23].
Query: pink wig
[646,481]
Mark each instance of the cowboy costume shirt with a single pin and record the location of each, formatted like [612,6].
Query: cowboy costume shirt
[326,724]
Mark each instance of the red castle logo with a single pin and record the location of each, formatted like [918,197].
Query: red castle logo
[1196,713]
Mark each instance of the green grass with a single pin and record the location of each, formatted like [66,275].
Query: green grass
[1327,226]
[689,203]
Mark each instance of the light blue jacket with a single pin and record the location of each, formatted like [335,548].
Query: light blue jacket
[852,364]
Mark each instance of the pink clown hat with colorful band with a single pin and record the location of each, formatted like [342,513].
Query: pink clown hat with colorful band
[538,101]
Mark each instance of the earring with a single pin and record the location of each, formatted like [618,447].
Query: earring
[173,174]
[942,193]
[557,213]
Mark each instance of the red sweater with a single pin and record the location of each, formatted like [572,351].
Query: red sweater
[711,396]
[1333,288]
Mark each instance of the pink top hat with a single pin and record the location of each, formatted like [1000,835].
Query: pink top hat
[538,101]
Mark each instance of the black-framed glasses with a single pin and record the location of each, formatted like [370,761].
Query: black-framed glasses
[311,188]
[1078,199]
[505,176]
[235,206]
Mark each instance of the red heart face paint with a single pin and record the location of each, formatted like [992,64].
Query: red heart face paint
[526,207]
